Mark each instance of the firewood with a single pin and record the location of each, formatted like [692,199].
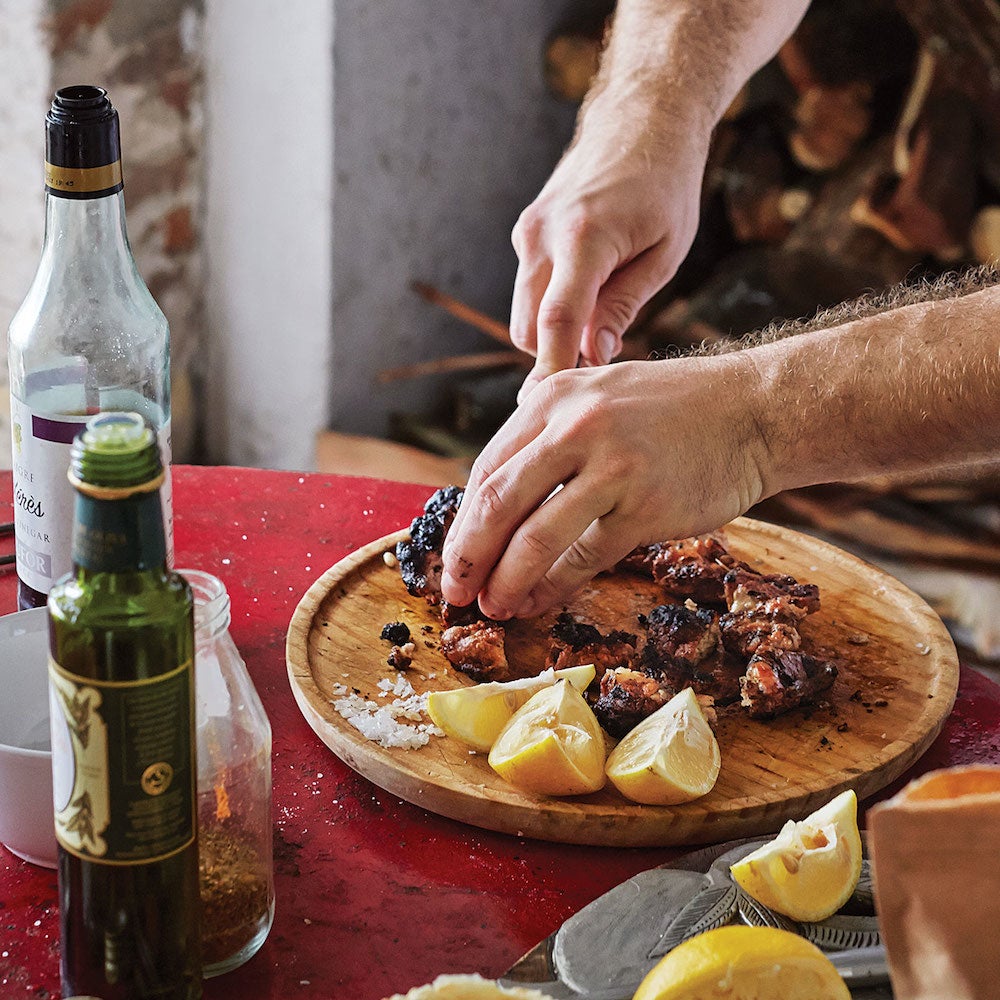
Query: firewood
[831,122]
[854,256]
[573,50]
[929,208]
[571,63]
[984,235]
[456,363]
[485,324]
[753,181]
[966,36]
[857,516]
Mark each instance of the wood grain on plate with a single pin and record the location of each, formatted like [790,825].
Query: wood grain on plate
[897,683]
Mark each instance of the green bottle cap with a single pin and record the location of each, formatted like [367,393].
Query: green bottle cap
[117,453]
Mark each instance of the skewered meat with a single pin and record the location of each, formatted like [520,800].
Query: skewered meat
[778,681]
[477,650]
[419,556]
[627,697]
[684,647]
[745,634]
[774,595]
[575,642]
[692,568]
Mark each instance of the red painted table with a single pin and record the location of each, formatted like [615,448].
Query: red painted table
[373,895]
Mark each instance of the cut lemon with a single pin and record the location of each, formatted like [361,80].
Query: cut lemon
[475,715]
[670,757]
[811,868]
[744,963]
[552,745]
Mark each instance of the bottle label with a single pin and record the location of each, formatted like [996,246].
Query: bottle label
[83,182]
[122,765]
[44,498]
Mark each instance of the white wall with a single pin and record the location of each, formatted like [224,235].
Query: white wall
[346,160]
[268,73]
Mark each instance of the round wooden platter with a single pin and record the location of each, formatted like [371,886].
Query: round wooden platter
[898,676]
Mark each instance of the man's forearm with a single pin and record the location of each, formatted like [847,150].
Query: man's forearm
[689,58]
[913,389]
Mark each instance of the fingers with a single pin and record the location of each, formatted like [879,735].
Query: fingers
[564,310]
[506,482]
[556,550]
[493,508]
[619,301]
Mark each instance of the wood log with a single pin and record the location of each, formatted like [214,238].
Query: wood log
[759,205]
[926,204]
[830,123]
[965,35]
[864,258]
[572,51]
[456,363]
[984,235]
[474,317]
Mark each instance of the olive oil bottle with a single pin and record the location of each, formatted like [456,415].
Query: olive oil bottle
[121,687]
[88,337]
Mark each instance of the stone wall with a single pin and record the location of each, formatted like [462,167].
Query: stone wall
[147,56]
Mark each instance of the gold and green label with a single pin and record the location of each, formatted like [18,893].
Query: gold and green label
[83,182]
[122,765]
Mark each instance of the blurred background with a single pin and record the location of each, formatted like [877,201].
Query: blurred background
[320,195]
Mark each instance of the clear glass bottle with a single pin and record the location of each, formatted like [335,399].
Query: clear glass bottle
[88,337]
[234,789]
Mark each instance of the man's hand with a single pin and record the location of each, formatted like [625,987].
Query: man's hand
[609,229]
[595,462]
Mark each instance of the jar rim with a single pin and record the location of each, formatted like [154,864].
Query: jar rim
[211,599]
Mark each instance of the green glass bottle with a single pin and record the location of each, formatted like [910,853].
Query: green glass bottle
[121,641]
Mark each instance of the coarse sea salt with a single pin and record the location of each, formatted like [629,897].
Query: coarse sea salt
[397,723]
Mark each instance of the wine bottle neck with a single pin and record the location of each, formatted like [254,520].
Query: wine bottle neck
[119,536]
[86,230]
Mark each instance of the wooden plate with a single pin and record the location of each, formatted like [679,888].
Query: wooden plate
[897,683]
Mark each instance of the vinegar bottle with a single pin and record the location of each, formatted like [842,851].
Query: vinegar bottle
[87,338]
[122,717]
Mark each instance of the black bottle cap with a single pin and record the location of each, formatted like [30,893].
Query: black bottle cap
[82,144]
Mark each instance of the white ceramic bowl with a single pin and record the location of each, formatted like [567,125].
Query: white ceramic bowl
[26,825]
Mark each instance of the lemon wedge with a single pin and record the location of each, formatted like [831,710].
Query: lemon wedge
[552,745]
[670,757]
[744,963]
[811,868]
[475,715]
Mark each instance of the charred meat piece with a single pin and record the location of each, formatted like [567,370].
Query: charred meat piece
[477,650]
[454,614]
[640,559]
[400,657]
[778,681]
[684,647]
[775,596]
[576,642]
[682,635]
[745,634]
[395,632]
[627,697]
[419,556]
[693,568]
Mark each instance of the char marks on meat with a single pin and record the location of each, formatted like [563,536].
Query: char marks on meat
[773,595]
[692,567]
[575,642]
[627,697]
[419,556]
[684,647]
[776,681]
[477,649]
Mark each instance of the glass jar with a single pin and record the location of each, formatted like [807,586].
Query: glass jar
[234,789]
